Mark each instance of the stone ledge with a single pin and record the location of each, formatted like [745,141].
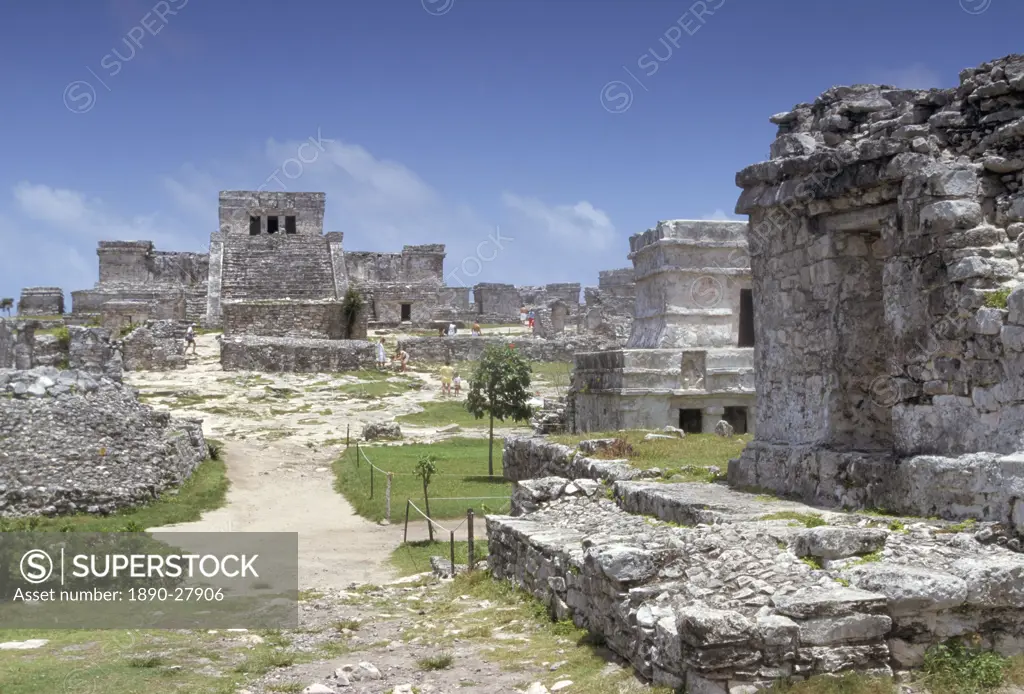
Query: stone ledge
[285,354]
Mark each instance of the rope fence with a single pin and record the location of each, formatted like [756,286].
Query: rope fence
[468,521]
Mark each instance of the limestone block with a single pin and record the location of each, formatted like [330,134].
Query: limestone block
[946,215]
[1015,304]
[909,589]
[826,631]
[987,321]
[992,582]
[828,602]
[827,542]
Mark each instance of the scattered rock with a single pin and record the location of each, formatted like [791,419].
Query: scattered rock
[388,431]
[723,428]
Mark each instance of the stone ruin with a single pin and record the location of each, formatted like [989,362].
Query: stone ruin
[689,359]
[73,438]
[884,238]
[41,301]
[889,368]
[609,306]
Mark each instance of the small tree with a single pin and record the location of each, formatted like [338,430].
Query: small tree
[426,467]
[500,387]
[351,307]
[6,305]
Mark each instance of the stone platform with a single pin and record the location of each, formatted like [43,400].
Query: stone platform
[749,594]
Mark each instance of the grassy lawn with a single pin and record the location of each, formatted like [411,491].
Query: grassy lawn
[203,491]
[695,451]
[441,413]
[461,472]
[414,557]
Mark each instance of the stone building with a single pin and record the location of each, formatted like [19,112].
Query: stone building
[500,303]
[41,301]
[689,359]
[137,282]
[885,233]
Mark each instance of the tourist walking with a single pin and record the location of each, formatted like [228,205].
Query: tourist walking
[529,319]
[447,372]
[190,338]
[476,329]
[382,355]
[456,383]
[452,330]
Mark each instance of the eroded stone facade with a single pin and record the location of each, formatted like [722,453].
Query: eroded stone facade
[688,362]
[41,301]
[882,230]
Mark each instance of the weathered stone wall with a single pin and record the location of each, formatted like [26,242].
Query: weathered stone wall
[568,293]
[313,319]
[609,307]
[414,265]
[434,350]
[278,266]
[121,313]
[86,349]
[689,275]
[284,354]
[497,303]
[534,457]
[880,226]
[236,206]
[7,342]
[155,346]
[41,301]
[73,442]
[727,605]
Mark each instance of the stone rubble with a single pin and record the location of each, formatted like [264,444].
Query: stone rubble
[388,431]
[76,441]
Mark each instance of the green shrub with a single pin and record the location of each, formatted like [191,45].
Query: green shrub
[997,299]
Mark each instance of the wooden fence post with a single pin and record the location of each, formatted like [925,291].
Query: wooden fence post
[469,525]
[371,480]
[405,535]
[451,539]
[387,499]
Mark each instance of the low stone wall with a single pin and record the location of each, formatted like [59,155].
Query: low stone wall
[155,346]
[531,457]
[7,342]
[310,319]
[88,349]
[72,441]
[284,354]
[435,350]
[731,607]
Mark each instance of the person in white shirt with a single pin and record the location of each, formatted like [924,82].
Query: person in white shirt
[382,356]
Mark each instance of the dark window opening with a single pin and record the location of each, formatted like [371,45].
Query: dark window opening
[271,225]
[746,318]
[691,421]
[289,224]
[737,418]
[406,312]
[254,226]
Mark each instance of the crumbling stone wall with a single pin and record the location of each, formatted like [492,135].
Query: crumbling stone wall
[41,301]
[879,229]
[609,306]
[435,350]
[314,319]
[727,605]
[7,342]
[73,441]
[497,303]
[285,354]
[155,346]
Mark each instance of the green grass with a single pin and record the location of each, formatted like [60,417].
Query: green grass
[440,413]
[412,558]
[203,491]
[696,450]
[809,520]
[461,472]
[442,661]
[378,389]
[998,298]
[956,668]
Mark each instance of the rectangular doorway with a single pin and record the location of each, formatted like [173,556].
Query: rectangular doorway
[272,225]
[289,224]
[737,418]
[406,312]
[746,318]
[691,421]
[254,226]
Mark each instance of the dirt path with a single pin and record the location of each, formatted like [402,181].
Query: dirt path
[280,434]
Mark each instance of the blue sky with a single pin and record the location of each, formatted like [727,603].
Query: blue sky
[430,121]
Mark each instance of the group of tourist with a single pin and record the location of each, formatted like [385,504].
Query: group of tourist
[399,360]
[451,382]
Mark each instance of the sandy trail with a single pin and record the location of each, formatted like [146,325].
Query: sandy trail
[278,451]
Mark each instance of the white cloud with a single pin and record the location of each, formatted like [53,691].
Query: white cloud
[916,76]
[581,225]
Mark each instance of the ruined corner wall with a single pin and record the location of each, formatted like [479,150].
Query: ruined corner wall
[285,354]
[883,224]
[609,306]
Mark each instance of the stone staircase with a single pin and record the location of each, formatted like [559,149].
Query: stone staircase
[723,592]
[277,266]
